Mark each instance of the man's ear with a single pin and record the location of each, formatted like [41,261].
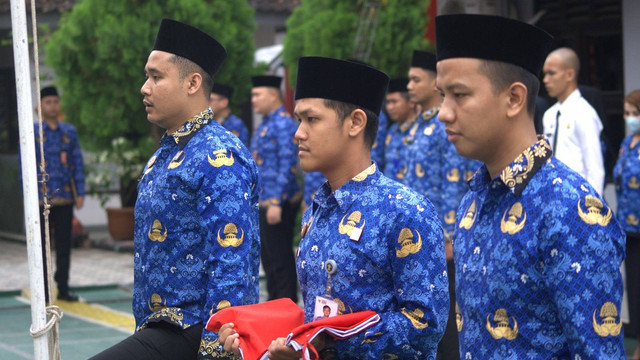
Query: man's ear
[194,83]
[516,99]
[357,122]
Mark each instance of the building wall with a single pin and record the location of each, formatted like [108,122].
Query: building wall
[631,44]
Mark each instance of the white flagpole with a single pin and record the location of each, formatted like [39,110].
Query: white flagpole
[29,174]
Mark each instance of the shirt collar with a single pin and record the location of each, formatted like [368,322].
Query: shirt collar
[517,175]
[182,136]
[431,113]
[349,192]
[275,113]
[575,94]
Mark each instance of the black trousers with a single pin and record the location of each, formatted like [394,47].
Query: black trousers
[449,347]
[60,219]
[159,341]
[276,253]
[632,270]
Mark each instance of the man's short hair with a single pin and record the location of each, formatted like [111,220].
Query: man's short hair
[186,67]
[344,109]
[502,75]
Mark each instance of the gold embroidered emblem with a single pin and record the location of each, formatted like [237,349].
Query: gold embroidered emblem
[419,171]
[468,175]
[352,221]
[632,220]
[502,329]
[370,337]
[221,305]
[211,347]
[429,129]
[230,236]
[221,158]
[156,303]
[387,140]
[416,316]
[512,175]
[389,356]
[511,225]
[459,318]
[155,231]
[593,215]
[177,160]
[450,218]
[634,183]
[150,164]
[264,132]
[407,246]
[365,173]
[453,175]
[305,228]
[402,172]
[469,218]
[608,315]
[342,309]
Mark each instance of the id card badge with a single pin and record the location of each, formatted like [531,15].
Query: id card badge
[325,308]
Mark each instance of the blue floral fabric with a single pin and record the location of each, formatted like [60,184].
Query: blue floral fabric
[538,254]
[433,168]
[275,150]
[399,138]
[386,241]
[197,245]
[64,165]
[312,181]
[237,127]
[378,149]
[626,175]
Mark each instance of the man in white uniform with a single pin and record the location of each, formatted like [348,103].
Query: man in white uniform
[571,124]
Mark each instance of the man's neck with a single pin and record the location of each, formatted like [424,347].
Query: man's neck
[348,169]
[565,95]
[52,122]
[273,108]
[186,118]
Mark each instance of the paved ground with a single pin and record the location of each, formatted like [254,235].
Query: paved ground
[103,277]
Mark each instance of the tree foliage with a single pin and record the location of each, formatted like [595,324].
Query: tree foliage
[100,49]
[328,28]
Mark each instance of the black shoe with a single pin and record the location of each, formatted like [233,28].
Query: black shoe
[67,296]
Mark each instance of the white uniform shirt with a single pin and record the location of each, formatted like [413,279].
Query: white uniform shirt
[578,144]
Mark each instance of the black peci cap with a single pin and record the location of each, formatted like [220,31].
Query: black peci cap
[266,80]
[424,59]
[340,80]
[222,89]
[188,42]
[48,91]
[492,38]
[398,85]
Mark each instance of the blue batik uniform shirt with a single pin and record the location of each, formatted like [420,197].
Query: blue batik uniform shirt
[538,256]
[396,266]
[434,168]
[275,150]
[396,158]
[64,165]
[197,245]
[237,127]
[626,175]
[312,181]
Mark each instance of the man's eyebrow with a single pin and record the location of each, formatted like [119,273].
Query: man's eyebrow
[151,70]
[453,87]
[304,112]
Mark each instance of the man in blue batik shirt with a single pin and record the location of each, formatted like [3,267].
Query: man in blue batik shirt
[312,181]
[219,103]
[196,231]
[384,239]
[402,113]
[537,250]
[274,150]
[65,185]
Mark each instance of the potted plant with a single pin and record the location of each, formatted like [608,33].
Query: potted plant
[117,169]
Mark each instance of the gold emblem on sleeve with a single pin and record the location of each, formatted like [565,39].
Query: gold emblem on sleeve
[419,171]
[450,218]
[453,175]
[402,172]
[156,303]
[221,158]
[594,212]
[352,221]
[634,183]
[502,329]
[632,220]
[608,315]
[510,225]
[407,246]
[230,236]
[416,316]
[155,232]
[470,216]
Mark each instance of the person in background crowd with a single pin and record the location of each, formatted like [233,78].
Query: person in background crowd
[274,150]
[626,175]
[219,103]
[571,124]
